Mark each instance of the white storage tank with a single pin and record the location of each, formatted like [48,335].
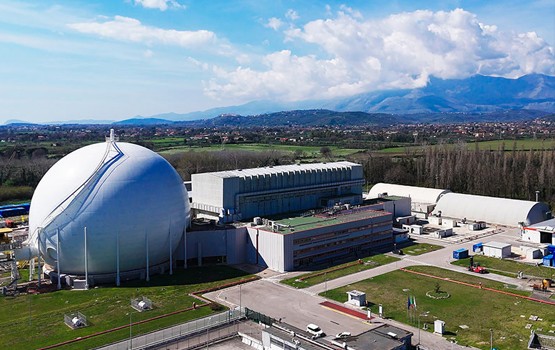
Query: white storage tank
[131,201]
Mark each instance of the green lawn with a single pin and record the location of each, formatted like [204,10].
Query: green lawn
[313,278]
[420,248]
[31,321]
[509,267]
[478,309]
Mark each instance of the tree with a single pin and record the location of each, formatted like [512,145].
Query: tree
[325,152]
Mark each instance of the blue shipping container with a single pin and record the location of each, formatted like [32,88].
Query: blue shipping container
[551,249]
[548,260]
[460,253]
[478,247]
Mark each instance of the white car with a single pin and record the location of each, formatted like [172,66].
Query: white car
[315,331]
[342,335]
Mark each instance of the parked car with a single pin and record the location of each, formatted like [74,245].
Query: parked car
[315,331]
[342,335]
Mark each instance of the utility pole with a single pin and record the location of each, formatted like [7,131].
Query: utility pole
[491,338]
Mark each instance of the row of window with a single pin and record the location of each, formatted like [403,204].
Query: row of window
[372,237]
[374,244]
[335,234]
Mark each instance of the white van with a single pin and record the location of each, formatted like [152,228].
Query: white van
[315,331]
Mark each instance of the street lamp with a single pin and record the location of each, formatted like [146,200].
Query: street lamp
[491,338]
[207,328]
[130,334]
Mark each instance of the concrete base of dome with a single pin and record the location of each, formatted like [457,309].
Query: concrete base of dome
[106,278]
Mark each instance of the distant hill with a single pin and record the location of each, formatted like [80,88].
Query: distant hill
[143,121]
[477,98]
[478,94]
[313,117]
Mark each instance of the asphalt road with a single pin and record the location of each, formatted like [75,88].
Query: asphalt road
[299,307]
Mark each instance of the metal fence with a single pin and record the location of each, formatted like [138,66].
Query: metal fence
[197,327]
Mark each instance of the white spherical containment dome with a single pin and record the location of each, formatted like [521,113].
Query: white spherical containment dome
[129,203]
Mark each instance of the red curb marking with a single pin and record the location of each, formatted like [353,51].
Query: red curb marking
[345,310]
[480,287]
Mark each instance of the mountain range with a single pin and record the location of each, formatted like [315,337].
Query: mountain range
[477,98]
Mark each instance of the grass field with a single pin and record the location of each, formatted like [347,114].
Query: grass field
[525,144]
[509,267]
[32,321]
[420,248]
[478,309]
[309,151]
[313,278]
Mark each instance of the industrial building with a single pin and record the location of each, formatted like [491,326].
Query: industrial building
[492,210]
[542,232]
[423,199]
[290,243]
[383,337]
[243,194]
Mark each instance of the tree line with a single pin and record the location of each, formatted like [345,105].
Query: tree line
[508,174]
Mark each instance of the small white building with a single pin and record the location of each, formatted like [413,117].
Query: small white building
[542,232]
[497,249]
[356,298]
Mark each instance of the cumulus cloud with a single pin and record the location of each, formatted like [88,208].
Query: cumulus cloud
[399,51]
[130,29]
[292,15]
[274,23]
[161,5]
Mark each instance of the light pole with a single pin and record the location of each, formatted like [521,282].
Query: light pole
[326,284]
[491,338]
[130,334]
[207,328]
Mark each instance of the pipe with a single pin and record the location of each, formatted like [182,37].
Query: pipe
[147,258]
[171,256]
[117,259]
[86,261]
[58,257]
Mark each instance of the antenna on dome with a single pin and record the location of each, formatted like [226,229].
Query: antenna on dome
[112,137]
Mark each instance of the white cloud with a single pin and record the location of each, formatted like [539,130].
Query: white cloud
[399,51]
[161,5]
[292,15]
[274,23]
[130,29]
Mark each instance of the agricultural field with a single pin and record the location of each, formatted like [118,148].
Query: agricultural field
[310,279]
[302,151]
[509,267]
[468,312]
[41,317]
[508,145]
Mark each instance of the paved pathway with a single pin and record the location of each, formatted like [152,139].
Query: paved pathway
[302,306]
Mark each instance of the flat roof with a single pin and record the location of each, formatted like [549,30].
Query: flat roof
[287,335]
[496,245]
[280,169]
[304,223]
[378,338]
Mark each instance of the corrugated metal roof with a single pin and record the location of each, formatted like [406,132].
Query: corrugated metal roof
[417,194]
[501,211]
[547,225]
[281,169]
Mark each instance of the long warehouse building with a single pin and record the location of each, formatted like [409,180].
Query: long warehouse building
[242,194]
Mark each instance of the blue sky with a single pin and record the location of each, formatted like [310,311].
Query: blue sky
[114,59]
